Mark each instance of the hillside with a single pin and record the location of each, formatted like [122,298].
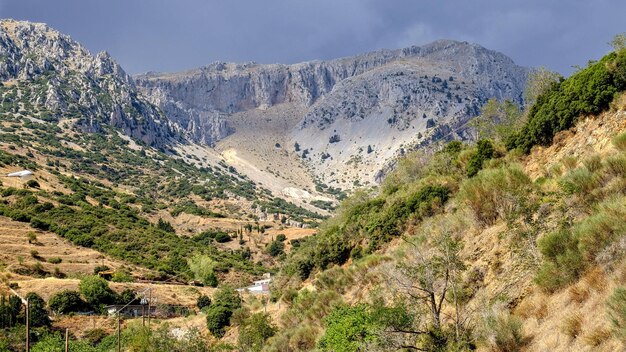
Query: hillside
[525,254]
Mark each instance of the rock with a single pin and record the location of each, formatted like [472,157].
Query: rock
[73,83]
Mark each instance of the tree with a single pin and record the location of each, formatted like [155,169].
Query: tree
[484,152]
[427,279]
[127,296]
[619,42]
[37,310]
[96,291]
[165,226]
[225,301]
[203,269]
[66,301]
[276,248]
[539,81]
[217,318]
[255,331]
[227,297]
[497,120]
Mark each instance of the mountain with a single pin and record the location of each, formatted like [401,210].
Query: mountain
[348,116]
[65,80]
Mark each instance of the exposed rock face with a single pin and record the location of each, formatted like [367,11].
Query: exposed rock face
[360,112]
[64,80]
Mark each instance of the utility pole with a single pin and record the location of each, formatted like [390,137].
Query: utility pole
[149,303]
[27,327]
[67,340]
[119,340]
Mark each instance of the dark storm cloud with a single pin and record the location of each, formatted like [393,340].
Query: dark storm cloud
[173,35]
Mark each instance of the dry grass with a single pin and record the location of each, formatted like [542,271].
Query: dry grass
[15,248]
[595,279]
[569,162]
[597,336]
[578,293]
[572,326]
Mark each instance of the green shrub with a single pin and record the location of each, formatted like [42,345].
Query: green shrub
[203,301]
[255,331]
[275,248]
[37,310]
[348,329]
[96,291]
[54,260]
[65,302]
[217,319]
[616,165]
[496,194]
[32,184]
[579,181]
[563,261]
[597,231]
[589,91]
[227,297]
[222,237]
[121,276]
[593,163]
[484,152]
[619,142]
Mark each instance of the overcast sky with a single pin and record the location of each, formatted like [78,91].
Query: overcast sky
[160,35]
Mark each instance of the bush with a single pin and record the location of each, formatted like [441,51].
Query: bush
[217,318]
[255,331]
[275,248]
[348,329]
[54,260]
[619,142]
[579,181]
[589,91]
[496,194]
[203,301]
[227,297]
[281,237]
[500,330]
[616,166]
[563,262]
[32,184]
[121,276]
[484,152]
[222,237]
[65,302]
[37,310]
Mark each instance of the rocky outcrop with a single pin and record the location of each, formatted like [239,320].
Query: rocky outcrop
[62,79]
[360,111]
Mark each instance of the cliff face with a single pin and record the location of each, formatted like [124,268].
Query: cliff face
[57,77]
[363,110]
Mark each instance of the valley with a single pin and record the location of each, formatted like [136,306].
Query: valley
[434,198]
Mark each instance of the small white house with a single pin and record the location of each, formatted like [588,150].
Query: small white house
[21,174]
[258,286]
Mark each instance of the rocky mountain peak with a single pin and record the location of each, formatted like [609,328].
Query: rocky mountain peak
[66,81]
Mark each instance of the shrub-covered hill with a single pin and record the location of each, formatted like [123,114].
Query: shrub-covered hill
[477,246]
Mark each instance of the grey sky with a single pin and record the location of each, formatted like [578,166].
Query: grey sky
[161,35]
